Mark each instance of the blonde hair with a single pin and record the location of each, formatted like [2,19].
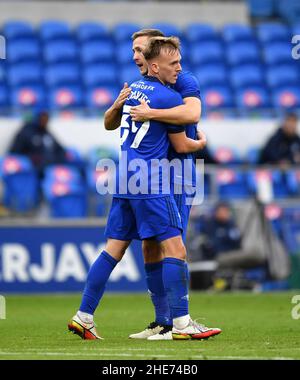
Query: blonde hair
[156,44]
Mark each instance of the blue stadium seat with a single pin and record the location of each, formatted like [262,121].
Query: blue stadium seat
[226,155]
[62,174]
[60,51]
[197,32]
[124,55]
[242,52]
[54,29]
[92,31]
[277,178]
[206,52]
[246,75]
[28,97]
[101,202]
[262,9]
[20,183]
[3,97]
[14,30]
[232,184]
[3,71]
[287,98]
[74,158]
[184,51]
[295,29]
[252,98]
[66,200]
[167,28]
[23,50]
[278,53]
[99,75]
[283,75]
[124,30]
[293,181]
[101,97]
[237,33]
[97,51]
[62,74]
[289,10]
[24,74]
[66,97]
[217,97]
[213,74]
[252,155]
[129,74]
[273,32]
[101,152]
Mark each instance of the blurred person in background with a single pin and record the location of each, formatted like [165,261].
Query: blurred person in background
[283,148]
[221,233]
[222,240]
[35,141]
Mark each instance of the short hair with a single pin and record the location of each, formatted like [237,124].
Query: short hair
[147,33]
[156,44]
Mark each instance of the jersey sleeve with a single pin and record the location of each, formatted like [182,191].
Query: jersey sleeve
[171,128]
[187,85]
[172,99]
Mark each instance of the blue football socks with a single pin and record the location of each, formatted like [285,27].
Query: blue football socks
[157,292]
[175,279]
[96,282]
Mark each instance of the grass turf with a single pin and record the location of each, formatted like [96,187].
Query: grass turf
[255,326]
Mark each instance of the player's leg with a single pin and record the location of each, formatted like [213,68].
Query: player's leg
[153,259]
[176,283]
[153,269]
[157,217]
[98,276]
[120,230]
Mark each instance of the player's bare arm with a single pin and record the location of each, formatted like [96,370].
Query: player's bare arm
[187,113]
[112,117]
[183,144]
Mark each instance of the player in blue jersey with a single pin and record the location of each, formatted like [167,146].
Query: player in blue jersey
[187,113]
[142,214]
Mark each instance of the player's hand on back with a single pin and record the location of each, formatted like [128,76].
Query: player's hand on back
[140,112]
[202,139]
[123,95]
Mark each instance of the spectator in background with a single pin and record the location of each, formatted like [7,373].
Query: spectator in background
[221,240]
[36,142]
[283,148]
[221,234]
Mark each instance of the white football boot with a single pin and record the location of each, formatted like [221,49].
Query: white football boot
[153,329]
[194,330]
[86,331]
[164,334]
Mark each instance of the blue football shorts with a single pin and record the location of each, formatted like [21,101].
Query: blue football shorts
[155,218]
[184,207]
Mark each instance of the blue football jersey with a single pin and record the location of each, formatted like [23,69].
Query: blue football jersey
[144,143]
[187,86]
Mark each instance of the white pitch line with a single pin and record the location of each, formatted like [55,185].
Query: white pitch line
[74,354]
[141,355]
[102,349]
[241,357]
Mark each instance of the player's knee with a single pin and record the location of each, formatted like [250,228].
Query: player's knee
[180,254]
[116,248]
[174,248]
[151,252]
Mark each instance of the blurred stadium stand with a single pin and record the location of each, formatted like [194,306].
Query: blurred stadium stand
[80,57]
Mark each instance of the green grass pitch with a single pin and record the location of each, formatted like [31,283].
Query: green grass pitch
[255,326]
